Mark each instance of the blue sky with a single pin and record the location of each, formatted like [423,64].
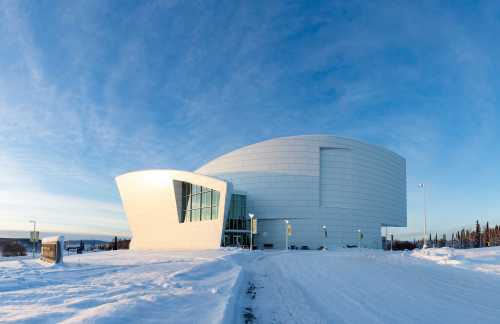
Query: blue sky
[93,89]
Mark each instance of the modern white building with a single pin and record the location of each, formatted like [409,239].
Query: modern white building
[318,183]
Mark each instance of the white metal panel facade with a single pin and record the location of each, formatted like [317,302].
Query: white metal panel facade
[335,177]
[317,180]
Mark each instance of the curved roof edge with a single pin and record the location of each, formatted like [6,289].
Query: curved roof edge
[302,136]
[174,173]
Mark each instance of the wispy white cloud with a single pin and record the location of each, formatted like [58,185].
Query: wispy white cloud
[60,213]
[22,199]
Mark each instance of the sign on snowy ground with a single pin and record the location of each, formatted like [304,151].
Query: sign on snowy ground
[254,225]
[52,249]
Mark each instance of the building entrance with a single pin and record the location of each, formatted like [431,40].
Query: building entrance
[237,226]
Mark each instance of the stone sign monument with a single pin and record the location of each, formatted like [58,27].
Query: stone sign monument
[52,249]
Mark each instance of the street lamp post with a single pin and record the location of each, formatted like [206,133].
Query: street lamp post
[33,236]
[251,230]
[421,185]
[359,238]
[286,234]
[324,236]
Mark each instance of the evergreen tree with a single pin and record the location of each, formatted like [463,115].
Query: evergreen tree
[487,234]
[477,235]
[497,235]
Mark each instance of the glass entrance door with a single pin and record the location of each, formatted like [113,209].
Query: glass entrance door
[237,240]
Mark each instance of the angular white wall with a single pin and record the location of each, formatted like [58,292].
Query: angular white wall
[152,210]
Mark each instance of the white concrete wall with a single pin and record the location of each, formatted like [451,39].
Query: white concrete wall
[351,186]
[152,210]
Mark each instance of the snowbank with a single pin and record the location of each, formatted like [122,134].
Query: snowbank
[483,259]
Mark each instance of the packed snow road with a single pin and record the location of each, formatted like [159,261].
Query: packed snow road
[234,286]
[353,286]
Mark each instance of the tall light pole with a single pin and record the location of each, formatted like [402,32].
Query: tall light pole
[251,230]
[360,237]
[324,236]
[33,236]
[421,185]
[286,234]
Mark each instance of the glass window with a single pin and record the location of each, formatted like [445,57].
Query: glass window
[205,213]
[237,213]
[196,201]
[186,188]
[215,198]
[199,203]
[195,215]
[214,212]
[206,199]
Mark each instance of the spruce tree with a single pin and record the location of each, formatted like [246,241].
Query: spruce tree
[497,235]
[487,235]
[477,236]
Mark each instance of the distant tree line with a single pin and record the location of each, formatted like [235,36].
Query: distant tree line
[479,236]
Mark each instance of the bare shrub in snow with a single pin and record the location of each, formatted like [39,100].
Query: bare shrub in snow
[13,249]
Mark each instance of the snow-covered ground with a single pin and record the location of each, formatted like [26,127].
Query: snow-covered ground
[343,286]
[120,287]
[369,286]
